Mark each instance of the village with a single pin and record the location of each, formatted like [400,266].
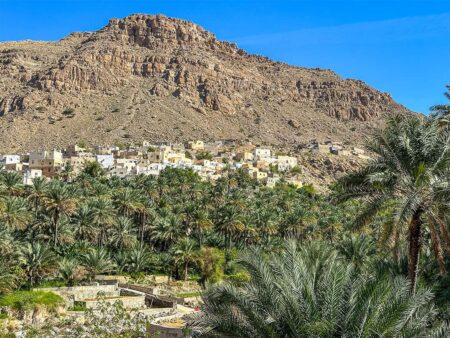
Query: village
[209,160]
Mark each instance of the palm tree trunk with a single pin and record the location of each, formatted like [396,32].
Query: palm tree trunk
[185,271]
[55,221]
[142,227]
[415,243]
[396,247]
[437,248]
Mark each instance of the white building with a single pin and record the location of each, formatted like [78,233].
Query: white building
[272,181]
[31,174]
[9,159]
[106,161]
[262,153]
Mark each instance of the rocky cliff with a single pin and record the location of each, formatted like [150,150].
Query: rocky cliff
[157,78]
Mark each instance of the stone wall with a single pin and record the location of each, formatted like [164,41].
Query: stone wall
[134,302]
[162,331]
[79,293]
[152,300]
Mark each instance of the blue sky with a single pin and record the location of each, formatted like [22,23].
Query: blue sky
[398,46]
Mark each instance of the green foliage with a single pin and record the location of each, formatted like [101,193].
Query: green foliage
[188,294]
[204,155]
[26,300]
[210,262]
[296,170]
[79,306]
[408,179]
[64,231]
[312,292]
[93,169]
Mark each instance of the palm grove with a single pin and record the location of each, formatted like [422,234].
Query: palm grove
[369,259]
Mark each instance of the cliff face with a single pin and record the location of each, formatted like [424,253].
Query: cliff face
[157,78]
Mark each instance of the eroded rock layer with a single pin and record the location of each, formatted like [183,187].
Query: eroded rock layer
[157,78]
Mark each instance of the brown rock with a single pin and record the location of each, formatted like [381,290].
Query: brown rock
[144,64]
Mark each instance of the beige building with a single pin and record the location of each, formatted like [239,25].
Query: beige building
[195,145]
[244,156]
[259,175]
[50,162]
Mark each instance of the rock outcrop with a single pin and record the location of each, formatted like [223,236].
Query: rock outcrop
[157,78]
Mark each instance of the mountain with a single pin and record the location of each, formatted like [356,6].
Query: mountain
[158,78]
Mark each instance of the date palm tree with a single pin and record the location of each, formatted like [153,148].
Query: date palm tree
[102,216]
[167,230]
[139,259]
[36,193]
[443,110]
[312,292]
[83,220]
[14,213]
[96,261]
[70,270]
[123,233]
[409,176]
[200,224]
[184,253]
[38,261]
[59,202]
[11,183]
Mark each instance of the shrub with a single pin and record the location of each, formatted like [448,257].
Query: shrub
[204,155]
[69,111]
[79,306]
[24,300]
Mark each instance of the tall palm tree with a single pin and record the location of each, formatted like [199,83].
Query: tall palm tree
[97,261]
[102,216]
[166,230]
[36,192]
[230,224]
[59,202]
[200,224]
[139,259]
[11,183]
[312,292]
[38,261]
[127,202]
[14,213]
[443,109]
[410,176]
[184,253]
[70,270]
[83,220]
[123,233]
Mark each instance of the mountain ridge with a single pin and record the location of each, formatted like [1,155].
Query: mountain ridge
[158,78]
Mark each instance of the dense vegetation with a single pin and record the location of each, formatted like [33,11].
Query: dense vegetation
[369,259]
[173,224]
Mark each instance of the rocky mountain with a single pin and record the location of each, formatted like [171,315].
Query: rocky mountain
[158,78]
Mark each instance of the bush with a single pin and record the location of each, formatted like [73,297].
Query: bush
[189,294]
[79,306]
[238,278]
[204,155]
[69,111]
[24,300]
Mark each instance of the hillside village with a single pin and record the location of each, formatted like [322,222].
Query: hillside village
[210,160]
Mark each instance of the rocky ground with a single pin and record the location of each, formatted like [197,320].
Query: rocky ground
[157,78]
